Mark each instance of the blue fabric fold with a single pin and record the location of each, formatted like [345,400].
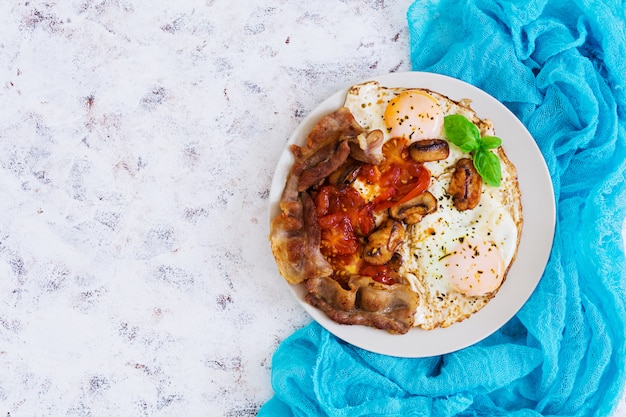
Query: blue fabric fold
[560,66]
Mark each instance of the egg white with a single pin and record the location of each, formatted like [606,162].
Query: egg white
[494,221]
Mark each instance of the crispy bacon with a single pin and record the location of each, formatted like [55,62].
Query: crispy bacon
[323,169]
[296,243]
[295,234]
[366,302]
[336,126]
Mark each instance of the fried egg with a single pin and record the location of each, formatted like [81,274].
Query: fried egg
[454,260]
[414,115]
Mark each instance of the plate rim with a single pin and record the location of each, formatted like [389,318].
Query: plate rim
[535,184]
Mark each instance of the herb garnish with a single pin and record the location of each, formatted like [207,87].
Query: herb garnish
[466,135]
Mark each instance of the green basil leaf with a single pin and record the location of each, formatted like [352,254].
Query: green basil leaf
[488,166]
[490,142]
[461,131]
[470,146]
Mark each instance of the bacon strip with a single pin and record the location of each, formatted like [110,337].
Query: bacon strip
[366,302]
[319,172]
[296,243]
[333,127]
[295,233]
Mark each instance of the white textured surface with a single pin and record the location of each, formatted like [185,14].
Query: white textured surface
[137,144]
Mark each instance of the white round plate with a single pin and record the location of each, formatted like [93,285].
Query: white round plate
[536,240]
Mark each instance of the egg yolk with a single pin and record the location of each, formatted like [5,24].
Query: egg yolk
[415,115]
[475,267]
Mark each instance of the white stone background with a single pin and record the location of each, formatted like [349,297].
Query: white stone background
[137,144]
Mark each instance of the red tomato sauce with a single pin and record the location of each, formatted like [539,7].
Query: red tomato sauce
[346,219]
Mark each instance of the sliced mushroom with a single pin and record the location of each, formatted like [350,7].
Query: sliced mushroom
[465,185]
[368,147]
[429,150]
[367,302]
[412,211]
[395,263]
[383,242]
[345,174]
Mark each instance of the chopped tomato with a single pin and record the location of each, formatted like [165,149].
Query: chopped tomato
[322,201]
[417,182]
[396,153]
[331,220]
[343,215]
[338,237]
[380,273]
[362,219]
[331,199]
[418,188]
[346,264]
[348,203]
[369,173]
[399,177]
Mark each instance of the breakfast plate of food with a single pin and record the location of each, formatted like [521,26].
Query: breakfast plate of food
[411,214]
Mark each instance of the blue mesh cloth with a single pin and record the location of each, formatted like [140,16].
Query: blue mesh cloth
[560,66]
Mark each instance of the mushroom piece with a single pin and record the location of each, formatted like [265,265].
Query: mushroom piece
[412,211]
[429,150]
[346,174]
[395,263]
[383,242]
[465,185]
